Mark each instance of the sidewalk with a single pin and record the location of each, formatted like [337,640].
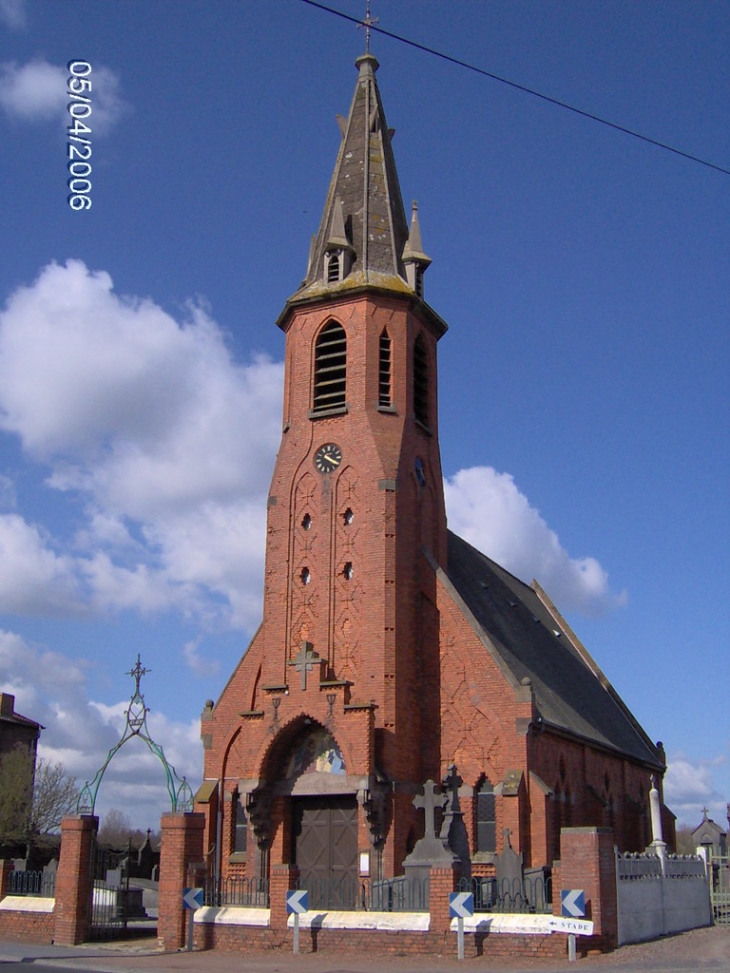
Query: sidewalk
[700,949]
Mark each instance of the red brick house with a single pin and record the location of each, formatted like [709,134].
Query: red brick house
[390,648]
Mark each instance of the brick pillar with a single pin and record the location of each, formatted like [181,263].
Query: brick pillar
[587,861]
[442,882]
[6,867]
[182,847]
[282,878]
[74,883]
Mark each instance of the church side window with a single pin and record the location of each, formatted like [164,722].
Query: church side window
[240,838]
[486,817]
[384,372]
[330,368]
[420,380]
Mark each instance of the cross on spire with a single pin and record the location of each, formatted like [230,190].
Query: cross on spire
[367,23]
[305,661]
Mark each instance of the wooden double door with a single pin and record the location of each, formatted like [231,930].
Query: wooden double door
[324,832]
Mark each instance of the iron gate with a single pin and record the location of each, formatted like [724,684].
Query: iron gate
[109,892]
[720,889]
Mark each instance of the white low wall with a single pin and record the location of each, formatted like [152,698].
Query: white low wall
[656,901]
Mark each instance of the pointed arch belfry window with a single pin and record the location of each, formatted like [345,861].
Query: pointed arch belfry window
[330,369]
[385,365]
[420,381]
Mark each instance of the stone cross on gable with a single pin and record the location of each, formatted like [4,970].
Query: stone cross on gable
[305,661]
[429,801]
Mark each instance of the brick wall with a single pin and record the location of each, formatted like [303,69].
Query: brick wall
[27,927]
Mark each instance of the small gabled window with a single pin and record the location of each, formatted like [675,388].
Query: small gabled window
[330,368]
[420,381]
[384,372]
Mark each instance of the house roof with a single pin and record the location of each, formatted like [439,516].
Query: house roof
[9,715]
[529,639]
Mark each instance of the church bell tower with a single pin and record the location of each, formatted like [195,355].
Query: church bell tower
[355,525]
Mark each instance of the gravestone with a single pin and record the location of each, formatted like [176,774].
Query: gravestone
[430,850]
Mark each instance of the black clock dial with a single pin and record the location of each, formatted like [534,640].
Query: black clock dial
[328,458]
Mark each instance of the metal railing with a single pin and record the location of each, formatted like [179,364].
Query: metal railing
[531,894]
[637,866]
[251,892]
[33,883]
[399,894]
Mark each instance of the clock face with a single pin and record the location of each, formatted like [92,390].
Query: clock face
[328,458]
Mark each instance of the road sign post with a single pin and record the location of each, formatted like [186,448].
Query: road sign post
[192,900]
[297,902]
[572,906]
[461,904]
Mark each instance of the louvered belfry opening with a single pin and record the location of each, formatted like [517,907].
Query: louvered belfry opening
[330,368]
[384,373]
[420,381]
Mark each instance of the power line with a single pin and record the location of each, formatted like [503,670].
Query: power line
[520,87]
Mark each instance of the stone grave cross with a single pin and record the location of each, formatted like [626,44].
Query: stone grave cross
[429,801]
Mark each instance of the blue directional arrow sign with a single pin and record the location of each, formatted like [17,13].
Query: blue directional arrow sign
[192,898]
[572,903]
[461,905]
[297,901]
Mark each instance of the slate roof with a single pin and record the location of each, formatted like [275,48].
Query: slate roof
[518,626]
[364,191]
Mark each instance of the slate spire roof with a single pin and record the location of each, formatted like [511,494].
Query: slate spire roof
[364,200]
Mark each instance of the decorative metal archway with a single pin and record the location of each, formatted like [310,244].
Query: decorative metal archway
[180,792]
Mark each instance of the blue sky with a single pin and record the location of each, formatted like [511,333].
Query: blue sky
[583,382]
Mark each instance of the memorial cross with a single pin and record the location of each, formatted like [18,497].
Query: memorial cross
[429,801]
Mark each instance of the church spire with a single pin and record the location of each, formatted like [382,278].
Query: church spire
[363,231]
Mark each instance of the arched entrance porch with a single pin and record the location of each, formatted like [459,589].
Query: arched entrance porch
[308,809]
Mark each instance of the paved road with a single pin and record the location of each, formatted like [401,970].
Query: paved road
[699,950]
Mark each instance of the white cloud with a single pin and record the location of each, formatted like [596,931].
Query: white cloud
[146,421]
[32,92]
[196,663]
[8,498]
[38,92]
[33,578]
[487,509]
[13,14]
[689,787]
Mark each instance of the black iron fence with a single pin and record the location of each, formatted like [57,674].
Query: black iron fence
[531,894]
[33,883]
[253,892]
[348,895]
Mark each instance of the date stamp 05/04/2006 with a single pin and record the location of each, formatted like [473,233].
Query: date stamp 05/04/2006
[79,135]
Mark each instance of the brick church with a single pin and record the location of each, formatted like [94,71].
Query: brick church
[390,649]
